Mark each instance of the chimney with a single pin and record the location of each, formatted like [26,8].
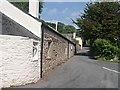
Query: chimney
[34,8]
[74,35]
[56,25]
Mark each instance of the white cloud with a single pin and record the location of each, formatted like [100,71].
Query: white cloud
[52,21]
[74,14]
[51,11]
[65,10]
[55,10]
[45,9]
[77,13]
[82,11]
[67,18]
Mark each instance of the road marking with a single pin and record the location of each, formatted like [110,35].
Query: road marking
[110,70]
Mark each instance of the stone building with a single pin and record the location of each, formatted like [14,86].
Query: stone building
[56,48]
[28,46]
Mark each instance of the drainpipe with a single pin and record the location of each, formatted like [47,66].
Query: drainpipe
[42,41]
[68,49]
[75,50]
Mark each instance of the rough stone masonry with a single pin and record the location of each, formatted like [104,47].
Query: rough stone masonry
[56,49]
[18,66]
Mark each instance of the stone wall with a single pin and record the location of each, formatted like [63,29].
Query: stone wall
[56,49]
[71,50]
[18,65]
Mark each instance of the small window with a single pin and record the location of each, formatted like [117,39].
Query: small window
[71,48]
[34,51]
[35,48]
[49,43]
[49,48]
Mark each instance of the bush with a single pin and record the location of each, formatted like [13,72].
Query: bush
[119,53]
[104,49]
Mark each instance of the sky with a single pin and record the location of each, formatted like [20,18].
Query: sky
[62,11]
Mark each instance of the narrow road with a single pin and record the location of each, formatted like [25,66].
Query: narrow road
[81,72]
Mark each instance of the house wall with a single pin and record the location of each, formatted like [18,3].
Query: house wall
[18,65]
[71,50]
[56,50]
[78,48]
[79,39]
[0,23]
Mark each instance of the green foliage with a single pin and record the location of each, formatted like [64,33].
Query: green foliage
[62,28]
[119,53]
[25,6]
[22,5]
[69,29]
[104,49]
[79,33]
[101,20]
[112,60]
[51,24]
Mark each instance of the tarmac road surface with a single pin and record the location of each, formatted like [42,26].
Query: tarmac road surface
[81,72]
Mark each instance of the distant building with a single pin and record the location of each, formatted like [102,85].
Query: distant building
[79,39]
[73,37]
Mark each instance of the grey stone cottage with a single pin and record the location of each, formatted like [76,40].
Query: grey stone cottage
[28,46]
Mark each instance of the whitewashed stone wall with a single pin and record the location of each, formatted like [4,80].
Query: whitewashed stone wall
[17,65]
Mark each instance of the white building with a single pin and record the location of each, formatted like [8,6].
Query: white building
[20,41]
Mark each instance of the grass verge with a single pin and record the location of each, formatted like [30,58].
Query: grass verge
[112,60]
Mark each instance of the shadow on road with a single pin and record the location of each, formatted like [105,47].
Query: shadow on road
[85,52]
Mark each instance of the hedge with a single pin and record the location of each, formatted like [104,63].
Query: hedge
[104,49]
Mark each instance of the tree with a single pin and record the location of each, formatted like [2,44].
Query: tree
[51,24]
[25,6]
[101,20]
[69,29]
[65,29]
[62,28]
